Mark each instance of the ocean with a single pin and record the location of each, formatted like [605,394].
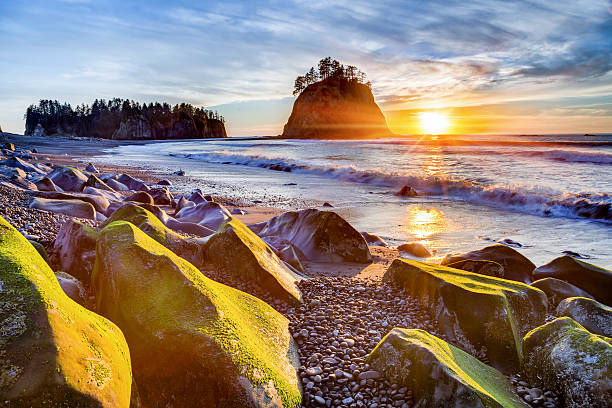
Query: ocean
[547,194]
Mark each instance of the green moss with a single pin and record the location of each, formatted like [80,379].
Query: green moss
[177,298]
[409,355]
[49,328]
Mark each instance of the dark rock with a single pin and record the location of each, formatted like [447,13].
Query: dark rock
[8,146]
[489,268]
[593,279]
[164,182]
[322,236]
[46,184]
[100,203]
[179,173]
[75,247]
[133,183]
[556,290]
[590,314]
[564,357]
[140,197]
[209,214]
[516,266]
[74,208]
[326,204]
[72,287]
[91,168]
[440,374]
[68,178]
[511,243]
[407,191]
[161,196]
[373,239]
[415,249]
[197,197]
[18,163]
[116,185]
[478,311]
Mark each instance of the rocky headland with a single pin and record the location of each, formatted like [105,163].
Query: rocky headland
[121,290]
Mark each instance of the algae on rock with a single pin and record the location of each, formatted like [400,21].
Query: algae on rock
[214,346]
[440,374]
[53,352]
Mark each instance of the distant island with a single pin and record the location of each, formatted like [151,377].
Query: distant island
[123,119]
[334,102]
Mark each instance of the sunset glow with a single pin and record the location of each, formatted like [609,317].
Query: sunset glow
[433,123]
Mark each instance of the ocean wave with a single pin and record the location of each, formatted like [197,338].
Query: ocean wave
[517,198]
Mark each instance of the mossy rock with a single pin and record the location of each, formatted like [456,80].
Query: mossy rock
[188,248]
[75,247]
[556,290]
[477,311]
[592,315]
[39,248]
[516,266]
[322,236]
[593,279]
[53,352]
[235,250]
[194,342]
[440,374]
[566,358]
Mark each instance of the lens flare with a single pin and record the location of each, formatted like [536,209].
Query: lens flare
[433,123]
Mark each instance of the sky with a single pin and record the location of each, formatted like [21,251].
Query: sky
[491,66]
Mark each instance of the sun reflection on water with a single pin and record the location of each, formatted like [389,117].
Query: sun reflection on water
[423,223]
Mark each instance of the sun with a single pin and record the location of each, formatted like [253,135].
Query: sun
[433,123]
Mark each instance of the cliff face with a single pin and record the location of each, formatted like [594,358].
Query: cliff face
[336,109]
[140,128]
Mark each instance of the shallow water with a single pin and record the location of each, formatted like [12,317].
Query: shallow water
[550,193]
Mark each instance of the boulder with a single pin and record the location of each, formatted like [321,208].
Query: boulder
[197,197]
[46,184]
[68,178]
[440,374]
[482,313]
[115,185]
[100,203]
[164,182]
[557,290]
[12,172]
[593,279]
[322,236]
[182,203]
[94,181]
[407,191]
[140,197]
[188,248]
[373,240]
[24,183]
[189,228]
[209,214]
[161,196]
[132,183]
[564,357]
[110,196]
[489,268]
[91,168]
[53,352]
[516,266]
[8,146]
[73,208]
[72,287]
[236,251]
[290,255]
[590,314]
[75,247]
[213,345]
[415,249]
[18,163]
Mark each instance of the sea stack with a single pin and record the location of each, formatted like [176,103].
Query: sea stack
[336,107]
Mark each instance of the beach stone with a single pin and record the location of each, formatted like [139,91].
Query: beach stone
[24,183]
[72,287]
[8,146]
[75,247]
[74,208]
[556,290]
[590,314]
[182,203]
[482,267]
[12,171]
[407,191]
[91,168]
[235,250]
[110,196]
[100,203]
[188,248]
[593,279]
[161,196]
[46,184]
[564,357]
[179,173]
[164,182]
[18,163]
[132,183]
[440,374]
[53,352]
[415,249]
[140,197]
[190,228]
[209,340]
[68,178]
[373,239]
[476,311]
[197,197]
[322,236]
[208,214]
[116,185]
[94,181]
[516,266]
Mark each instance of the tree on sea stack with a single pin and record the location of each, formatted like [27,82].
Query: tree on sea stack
[334,101]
